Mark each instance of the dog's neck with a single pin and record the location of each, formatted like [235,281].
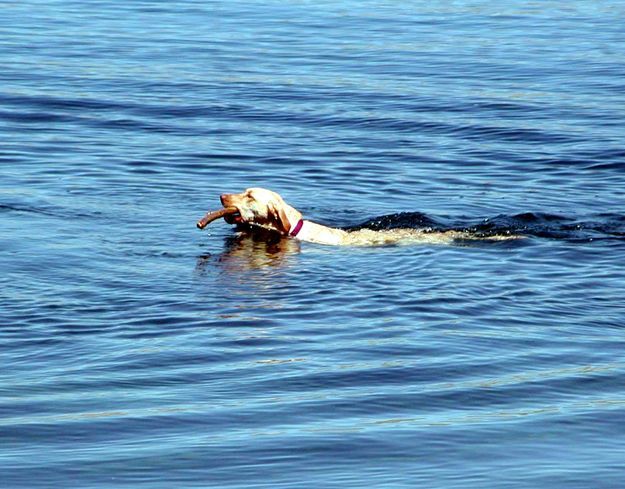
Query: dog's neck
[305,230]
[316,233]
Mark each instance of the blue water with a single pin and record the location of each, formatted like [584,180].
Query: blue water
[139,352]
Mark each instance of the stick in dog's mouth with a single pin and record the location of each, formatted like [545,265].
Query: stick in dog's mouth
[212,216]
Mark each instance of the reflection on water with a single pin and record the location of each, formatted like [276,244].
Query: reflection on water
[252,249]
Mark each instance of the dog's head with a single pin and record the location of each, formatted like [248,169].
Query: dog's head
[264,208]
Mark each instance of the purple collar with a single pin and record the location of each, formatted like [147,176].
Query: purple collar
[297,228]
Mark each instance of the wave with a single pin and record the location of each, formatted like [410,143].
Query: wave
[538,224]
[48,210]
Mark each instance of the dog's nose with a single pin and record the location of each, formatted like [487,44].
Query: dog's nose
[223,198]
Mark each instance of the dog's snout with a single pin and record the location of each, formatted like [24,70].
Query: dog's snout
[223,198]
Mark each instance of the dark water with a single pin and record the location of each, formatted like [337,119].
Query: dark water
[139,352]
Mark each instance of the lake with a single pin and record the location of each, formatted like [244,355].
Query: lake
[140,352]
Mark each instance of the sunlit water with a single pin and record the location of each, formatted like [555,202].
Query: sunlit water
[137,351]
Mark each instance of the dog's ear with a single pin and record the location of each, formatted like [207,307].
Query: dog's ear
[279,218]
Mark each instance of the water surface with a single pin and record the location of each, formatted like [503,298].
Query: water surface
[138,351]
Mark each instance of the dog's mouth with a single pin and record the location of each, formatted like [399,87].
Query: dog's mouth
[234,217]
[230,214]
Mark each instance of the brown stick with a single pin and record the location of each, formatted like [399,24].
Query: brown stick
[211,216]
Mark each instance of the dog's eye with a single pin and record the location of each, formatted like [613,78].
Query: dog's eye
[252,205]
